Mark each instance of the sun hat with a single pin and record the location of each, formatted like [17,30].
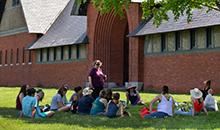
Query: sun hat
[131,86]
[196,93]
[87,91]
[66,86]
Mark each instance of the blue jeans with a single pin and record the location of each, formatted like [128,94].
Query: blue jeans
[210,109]
[179,112]
[156,115]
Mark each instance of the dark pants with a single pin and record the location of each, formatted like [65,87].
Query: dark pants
[210,109]
[96,92]
[156,115]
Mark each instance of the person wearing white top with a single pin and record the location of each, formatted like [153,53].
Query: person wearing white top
[210,102]
[165,106]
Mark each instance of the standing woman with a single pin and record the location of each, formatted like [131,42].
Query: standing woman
[22,93]
[97,78]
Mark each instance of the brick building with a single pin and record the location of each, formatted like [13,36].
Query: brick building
[44,45]
[25,58]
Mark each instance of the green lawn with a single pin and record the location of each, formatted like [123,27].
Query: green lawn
[68,121]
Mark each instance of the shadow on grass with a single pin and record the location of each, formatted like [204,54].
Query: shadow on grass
[178,122]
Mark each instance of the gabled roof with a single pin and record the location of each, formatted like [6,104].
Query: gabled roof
[66,30]
[41,14]
[200,19]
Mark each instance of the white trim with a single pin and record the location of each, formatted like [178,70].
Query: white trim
[6,64]
[23,63]
[17,63]
[0,65]
[11,64]
[29,63]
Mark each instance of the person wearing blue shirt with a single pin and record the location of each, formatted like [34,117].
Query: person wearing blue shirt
[39,114]
[85,103]
[59,101]
[31,105]
[115,107]
[99,105]
[28,103]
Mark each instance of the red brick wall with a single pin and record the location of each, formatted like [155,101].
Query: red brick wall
[182,71]
[136,45]
[73,73]
[106,34]
[117,49]
[16,74]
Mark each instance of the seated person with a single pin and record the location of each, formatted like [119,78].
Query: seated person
[99,105]
[31,105]
[22,93]
[207,86]
[28,103]
[115,107]
[108,94]
[58,103]
[77,95]
[165,105]
[210,102]
[39,112]
[197,104]
[75,98]
[133,96]
[85,103]
[65,101]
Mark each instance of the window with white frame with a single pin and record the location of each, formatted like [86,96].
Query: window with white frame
[66,53]
[82,51]
[62,54]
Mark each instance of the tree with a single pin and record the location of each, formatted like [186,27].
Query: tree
[158,8]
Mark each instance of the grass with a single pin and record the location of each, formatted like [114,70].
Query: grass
[68,121]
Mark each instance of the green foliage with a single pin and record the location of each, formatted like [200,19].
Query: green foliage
[185,106]
[105,6]
[157,8]
[160,8]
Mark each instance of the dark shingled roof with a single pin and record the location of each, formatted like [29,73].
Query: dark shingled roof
[66,30]
[200,19]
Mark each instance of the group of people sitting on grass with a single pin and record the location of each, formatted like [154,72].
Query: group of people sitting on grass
[27,103]
[109,104]
[81,102]
[201,101]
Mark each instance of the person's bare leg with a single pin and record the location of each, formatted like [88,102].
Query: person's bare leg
[50,113]
[20,114]
[64,108]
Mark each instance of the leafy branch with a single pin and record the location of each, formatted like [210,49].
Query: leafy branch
[157,8]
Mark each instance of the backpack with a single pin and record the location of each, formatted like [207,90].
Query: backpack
[145,111]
